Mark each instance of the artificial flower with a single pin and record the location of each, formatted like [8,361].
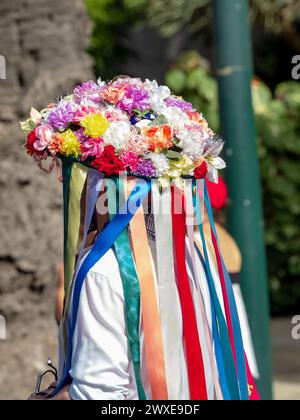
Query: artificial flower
[95,125]
[160,162]
[43,133]
[134,97]
[175,116]
[157,95]
[113,93]
[117,134]
[192,138]
[180,167]
[130,160]
[63,115]
[159,137]
[70,144]
[145,168]
[85,110]
[114,114]
[137,143]
[55,144]
[88,90]
[108,162]
[30,144]
[201,171]
[178,102]
[195,116]
[92,148]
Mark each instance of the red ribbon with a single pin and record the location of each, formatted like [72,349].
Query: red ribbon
[195,367]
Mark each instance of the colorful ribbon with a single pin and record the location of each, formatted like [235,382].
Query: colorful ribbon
[169,303]
[150,313]
[230,308]
[225,362]
[211,372]
[102,244]
[197,380]
[131,287]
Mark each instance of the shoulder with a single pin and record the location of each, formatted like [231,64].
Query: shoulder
[107,266]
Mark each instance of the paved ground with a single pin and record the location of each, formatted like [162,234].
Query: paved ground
[286,360]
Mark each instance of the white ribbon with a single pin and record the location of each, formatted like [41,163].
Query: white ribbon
[169,302]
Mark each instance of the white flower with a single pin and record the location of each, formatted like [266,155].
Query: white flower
[192,138]
[113,113]
[116,134]
[175,116]
[160,162]
[157,95]
[143,123]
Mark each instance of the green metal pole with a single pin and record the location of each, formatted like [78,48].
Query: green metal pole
[234,74]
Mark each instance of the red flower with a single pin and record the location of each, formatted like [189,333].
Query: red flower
[31,139]
[108,162]
[200,171]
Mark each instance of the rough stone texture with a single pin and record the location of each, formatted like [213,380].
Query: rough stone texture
[44,45]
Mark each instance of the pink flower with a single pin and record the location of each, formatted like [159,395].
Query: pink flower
[84,111]
[137,143]
[93,147]
[43,133]
[130,160]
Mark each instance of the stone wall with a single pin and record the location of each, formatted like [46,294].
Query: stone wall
[44,45]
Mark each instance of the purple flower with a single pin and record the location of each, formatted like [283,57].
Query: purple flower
[80,135]
[88,90]
[145,168]
[134,98]
[179,103]
[63,115]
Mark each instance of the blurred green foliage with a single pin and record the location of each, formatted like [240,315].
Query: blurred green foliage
[276,16]
[108,47]
[278,132]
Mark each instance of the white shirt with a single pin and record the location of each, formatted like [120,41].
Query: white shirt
[101,365]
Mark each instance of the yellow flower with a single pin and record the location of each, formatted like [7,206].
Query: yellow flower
[95,125]
[177,169]
[180,167]
[70,144]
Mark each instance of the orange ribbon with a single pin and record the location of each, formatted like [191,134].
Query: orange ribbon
[150,313]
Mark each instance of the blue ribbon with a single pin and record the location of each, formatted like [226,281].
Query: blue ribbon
[102,244]
[238,341]
[224,357]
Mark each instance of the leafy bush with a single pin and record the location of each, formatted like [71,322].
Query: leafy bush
[278,133]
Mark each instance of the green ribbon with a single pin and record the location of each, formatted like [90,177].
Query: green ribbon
[66,175]
[130,284]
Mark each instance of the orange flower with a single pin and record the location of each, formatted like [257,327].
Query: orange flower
[195,116]
[112,94]
[159,137]
[55,144]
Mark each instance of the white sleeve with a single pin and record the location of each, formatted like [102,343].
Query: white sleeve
[101,365]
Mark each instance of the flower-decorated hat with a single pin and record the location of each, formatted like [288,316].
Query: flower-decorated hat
[127,125]
[142,141]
